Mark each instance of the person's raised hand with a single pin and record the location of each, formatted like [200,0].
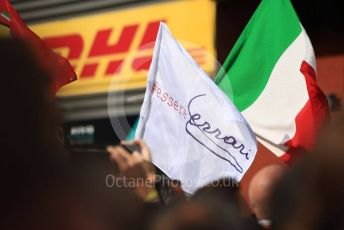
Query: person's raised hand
[135,168]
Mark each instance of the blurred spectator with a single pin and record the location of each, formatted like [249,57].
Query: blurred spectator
[285,193]
[260,190]
[217,205]
[226,190]
[94,179]
[170,191]
[334,102]
[38,188]
[310,196]
[32,160]
[201,214]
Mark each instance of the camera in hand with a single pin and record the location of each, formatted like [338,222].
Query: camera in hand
[132,147]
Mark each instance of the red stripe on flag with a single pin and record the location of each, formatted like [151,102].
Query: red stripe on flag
[4,21]
[3,10]
[310,119]
[58,67]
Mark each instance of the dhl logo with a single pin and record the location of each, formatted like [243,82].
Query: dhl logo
[113,50]
[104,50]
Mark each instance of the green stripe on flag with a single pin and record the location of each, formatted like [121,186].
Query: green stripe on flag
[272,28]
[5,15]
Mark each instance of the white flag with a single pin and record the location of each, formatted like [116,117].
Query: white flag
[195,133]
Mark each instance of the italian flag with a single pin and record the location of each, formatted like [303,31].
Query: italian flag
[11,25]
[270,74]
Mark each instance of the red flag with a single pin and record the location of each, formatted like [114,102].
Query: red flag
[58,67]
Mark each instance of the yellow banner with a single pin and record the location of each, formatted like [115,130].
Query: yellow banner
[113,50]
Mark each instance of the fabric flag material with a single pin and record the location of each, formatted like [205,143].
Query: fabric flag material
[195,133]
[58,67]
[270,76]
